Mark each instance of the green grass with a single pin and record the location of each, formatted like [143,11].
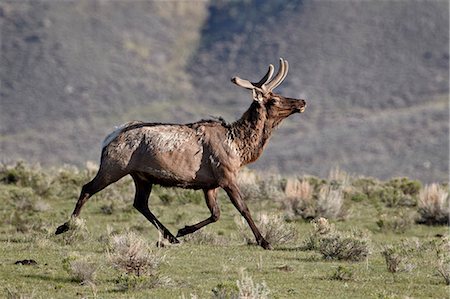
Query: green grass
[288,271]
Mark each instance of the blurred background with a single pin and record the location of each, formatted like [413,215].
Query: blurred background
[375,75]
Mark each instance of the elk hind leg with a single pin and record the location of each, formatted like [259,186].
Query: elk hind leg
[211,202]
[143,190]
[100,182]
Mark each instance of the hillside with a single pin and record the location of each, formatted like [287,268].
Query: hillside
[375,75]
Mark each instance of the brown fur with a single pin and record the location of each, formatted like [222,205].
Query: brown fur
[203,155]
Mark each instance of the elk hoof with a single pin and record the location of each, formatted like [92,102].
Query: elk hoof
[62,228]
[184,231]
[174,241]
[266,245]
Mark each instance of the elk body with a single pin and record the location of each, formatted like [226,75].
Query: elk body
[204,155]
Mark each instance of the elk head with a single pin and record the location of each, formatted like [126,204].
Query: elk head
[276,106]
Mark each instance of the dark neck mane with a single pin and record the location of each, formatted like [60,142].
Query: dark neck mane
[250,133]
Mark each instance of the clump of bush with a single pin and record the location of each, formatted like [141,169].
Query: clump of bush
[273,228]
[253,187]
[77,231]
[393,193]
[250,290]
[225,290]
[81,270]
[301,200]
[342,273]
[138,264]
[433,206]
[330,202]
[333,244]
[397,222]
[298,201]
[243,288]
[397,257]
[443,259]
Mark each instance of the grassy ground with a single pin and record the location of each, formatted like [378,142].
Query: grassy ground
[36,201]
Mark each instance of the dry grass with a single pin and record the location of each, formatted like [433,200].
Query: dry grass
[434,207]
[273,227]
[330,203]
[250,290]
[298,200]
[77,231]
[443,259]
[83,271]
[254,187]
[131,254]
[205,237]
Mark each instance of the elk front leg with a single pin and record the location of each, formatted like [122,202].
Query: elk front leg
[235,196]
[211,202]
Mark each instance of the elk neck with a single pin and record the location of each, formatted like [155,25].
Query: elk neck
[251,132]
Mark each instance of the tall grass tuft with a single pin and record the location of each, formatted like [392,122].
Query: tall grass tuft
[250,290]
[434,207]
[81,270]
[443,259]
[139,265]
[330,202]
[298,201]
[273,228]
[333,244]
[77,231]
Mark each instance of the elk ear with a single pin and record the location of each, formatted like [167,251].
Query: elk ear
[257,95]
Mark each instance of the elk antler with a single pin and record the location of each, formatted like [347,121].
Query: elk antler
[263,85]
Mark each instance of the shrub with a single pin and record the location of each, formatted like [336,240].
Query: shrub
[397,222]
[407,186]
[249,290]
[80,269]
[225,290]
[353,246]
[321,227]
[248,183]
[77,231]
[434,207]
[443,259]
[332,244]
[330,201]
[272,227]
[24,175]
[139,265]
[393,258]
[342,273]
[254,188]
[298,200]
[358,197]
[131,254]
[397,256]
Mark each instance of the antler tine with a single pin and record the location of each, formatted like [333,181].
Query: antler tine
[251,85]
[286,69]
[278,78]
[242,83]
[266,77]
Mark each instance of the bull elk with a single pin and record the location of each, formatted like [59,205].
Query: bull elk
[202,155]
